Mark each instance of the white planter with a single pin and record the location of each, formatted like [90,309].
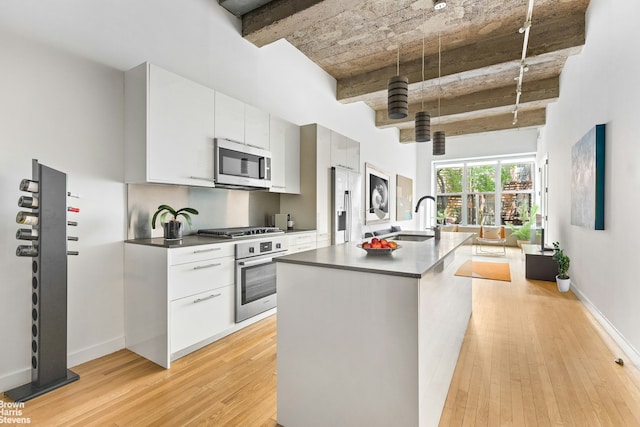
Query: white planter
[563,284]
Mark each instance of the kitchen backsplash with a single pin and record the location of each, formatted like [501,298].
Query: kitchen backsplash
[218,207]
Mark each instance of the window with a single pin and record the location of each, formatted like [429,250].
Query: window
[449,194]
[469,193]
[481,198]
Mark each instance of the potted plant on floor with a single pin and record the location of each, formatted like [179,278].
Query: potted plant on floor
[173,228]
[523,233]
[562,279]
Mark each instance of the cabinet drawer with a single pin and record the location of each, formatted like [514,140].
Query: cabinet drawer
[302,239]
[198,317]
[196,277]
[300,248]
[199,253]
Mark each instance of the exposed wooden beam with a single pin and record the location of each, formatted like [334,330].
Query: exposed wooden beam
[279,18]
[484,124]
[547,89]
[561,33]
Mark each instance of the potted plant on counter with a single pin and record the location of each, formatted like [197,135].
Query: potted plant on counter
[173,228]
[563,261]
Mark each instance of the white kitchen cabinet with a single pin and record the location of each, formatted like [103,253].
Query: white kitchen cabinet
[229,118]
[345,152]
[256,127]
[241,122]
[169,128]
[198,317]
[301,241]
[285,156]
[177,300]
[310,209]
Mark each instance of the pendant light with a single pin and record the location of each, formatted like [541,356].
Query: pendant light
[398,94]
[423,118]
[438,137]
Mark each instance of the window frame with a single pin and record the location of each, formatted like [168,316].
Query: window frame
[498,162]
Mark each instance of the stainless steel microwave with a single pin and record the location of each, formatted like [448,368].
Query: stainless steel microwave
[241,166]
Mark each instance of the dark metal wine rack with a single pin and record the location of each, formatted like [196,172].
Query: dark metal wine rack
[49,289]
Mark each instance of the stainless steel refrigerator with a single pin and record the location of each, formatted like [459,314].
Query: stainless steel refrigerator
[346,206]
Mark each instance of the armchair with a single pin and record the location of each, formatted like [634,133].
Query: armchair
[491,236]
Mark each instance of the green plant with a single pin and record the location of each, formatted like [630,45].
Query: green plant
[562,260]
[164,210]
[524,231]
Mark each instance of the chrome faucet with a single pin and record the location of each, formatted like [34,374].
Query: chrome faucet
[436,228]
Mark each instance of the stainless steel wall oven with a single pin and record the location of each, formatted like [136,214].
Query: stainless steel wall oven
[255,283]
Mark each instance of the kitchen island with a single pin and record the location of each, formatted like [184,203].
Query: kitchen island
[370,340]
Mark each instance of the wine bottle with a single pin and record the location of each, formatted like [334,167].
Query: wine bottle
[28,218]
[27,250]
[73,253]
[27,234]
[28,202]
[73,238]
[72,223]
[28,185]
[73,209]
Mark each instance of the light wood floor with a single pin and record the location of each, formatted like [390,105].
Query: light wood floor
[531,357]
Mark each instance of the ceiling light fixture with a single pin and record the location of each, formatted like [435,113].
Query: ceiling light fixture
[439,4]
[398,94]
[523,65]
[438,136]
[423,118]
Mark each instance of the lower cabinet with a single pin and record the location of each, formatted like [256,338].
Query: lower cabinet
[198,317]
[177,300]
[302,241]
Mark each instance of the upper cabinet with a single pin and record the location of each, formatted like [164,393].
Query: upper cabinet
[256,127]
[285,156]
[241,122]
[169,128]
[345,152]
[229,117]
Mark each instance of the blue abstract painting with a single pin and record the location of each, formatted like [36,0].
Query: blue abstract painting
[587,180]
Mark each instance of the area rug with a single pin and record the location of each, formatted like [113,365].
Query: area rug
[485,270]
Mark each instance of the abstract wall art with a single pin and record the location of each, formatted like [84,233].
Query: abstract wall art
[404,198]
[377,196]
[587,179]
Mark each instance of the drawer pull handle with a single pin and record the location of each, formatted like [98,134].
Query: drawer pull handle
[199,251]
[195,301]
[200,267]
[203,178]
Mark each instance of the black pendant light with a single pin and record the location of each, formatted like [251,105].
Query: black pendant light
[438,137]
[398,94]
[423,118]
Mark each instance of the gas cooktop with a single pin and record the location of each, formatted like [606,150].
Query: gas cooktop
[240,232]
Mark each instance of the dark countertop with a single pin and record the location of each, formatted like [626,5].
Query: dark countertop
[196,240]
[411,259]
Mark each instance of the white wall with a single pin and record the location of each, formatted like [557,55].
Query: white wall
[67,113]
[601,86]
[55,101]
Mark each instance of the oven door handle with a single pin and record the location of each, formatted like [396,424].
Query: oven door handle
[255,262]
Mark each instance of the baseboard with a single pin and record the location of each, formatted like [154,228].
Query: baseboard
[632,355]
[15,379]
[95,351]
[18,378]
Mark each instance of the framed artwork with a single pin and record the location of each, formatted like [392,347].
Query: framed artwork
[587,180]
[377,195]
[404,198]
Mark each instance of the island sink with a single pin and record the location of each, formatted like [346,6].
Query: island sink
[412,237]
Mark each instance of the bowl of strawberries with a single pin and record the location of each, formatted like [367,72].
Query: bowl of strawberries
[377,246]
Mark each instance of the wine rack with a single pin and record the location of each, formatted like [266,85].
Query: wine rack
[46,243]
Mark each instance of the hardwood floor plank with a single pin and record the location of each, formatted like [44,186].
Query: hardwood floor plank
[531,356]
